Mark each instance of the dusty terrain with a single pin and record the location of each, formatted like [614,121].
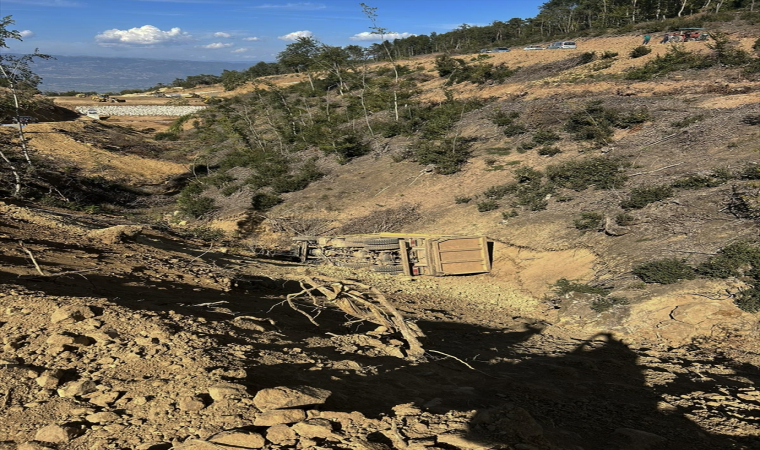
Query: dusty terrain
[126,335]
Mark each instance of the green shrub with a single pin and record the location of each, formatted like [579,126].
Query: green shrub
[545,137]
[166,136]
[588,221]
[640,51]
[625,219]
[549,151]
[448,155]
[462,200]
[497,192]
[586,57]
[487,205]
[609,54]
[686,121]
[734,260]
[697,182]
[640,197]
[725,51]
[503,118]
[664,271]
[514,129]
[751,172]
[262,201]
[598,171]
[509,214]
[195,206]
[751,119]
[749,300]
[563,286]
[675,59]
[602,304]
[756,45]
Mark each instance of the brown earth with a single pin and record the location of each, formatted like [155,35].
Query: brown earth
[131,336]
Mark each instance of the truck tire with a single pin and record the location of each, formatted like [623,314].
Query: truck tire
[388,269]
[354,242]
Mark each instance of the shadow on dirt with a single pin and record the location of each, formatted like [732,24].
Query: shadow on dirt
[509,386]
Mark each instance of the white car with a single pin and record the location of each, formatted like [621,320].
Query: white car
[533,47]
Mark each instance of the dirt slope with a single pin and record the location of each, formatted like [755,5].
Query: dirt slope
[149,341]
[122,335]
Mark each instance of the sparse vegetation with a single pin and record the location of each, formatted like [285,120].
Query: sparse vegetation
[664,271]
[641,50]
[641,197]
[588,221]
[487,205]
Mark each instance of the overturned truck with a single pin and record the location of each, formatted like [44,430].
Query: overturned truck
[412,255]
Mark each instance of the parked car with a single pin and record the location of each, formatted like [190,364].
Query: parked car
[562,44]
[533,47]
[500,50]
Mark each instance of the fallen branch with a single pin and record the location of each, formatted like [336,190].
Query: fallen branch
[31,256]
[656,170]
[360,301]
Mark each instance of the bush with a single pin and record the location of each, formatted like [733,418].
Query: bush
[462,200]
[734,260]
[588,221]
[749,300]
[751,119]
[603,304]
[675,59]
[195,206]
[263,201]
[697,182]
[598,171]
[625,219]
[586,57]
[545,137]
[640,197]
[686,121]
[549,151]
[564,286]
[448,155]
[640,51]
[609,54]
[497,192]
[487,205]
[166,136]
[664,271]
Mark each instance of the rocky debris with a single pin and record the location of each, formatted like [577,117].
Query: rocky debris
[116,234]
[56,434]
[286,397]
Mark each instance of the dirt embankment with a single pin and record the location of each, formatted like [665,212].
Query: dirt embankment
[124,335]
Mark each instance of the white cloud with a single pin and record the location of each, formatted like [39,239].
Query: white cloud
[222,34]
[367,36]
[239,50]
[26,33]
[295,35]
[144,36]
[215,45]
[304,6]
[252,38]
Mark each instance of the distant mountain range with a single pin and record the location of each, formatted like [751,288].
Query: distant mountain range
[89,73]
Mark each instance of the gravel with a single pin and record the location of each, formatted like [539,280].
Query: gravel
[141,110]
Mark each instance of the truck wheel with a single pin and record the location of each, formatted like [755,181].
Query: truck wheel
[388,269]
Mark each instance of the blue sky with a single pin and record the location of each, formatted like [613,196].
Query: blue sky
[231,30]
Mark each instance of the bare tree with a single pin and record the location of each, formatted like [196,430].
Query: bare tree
[21,81]
[371,13]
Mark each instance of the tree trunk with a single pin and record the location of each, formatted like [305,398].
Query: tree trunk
[17,186]
[683,5]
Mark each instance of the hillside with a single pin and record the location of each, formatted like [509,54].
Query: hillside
[134,327]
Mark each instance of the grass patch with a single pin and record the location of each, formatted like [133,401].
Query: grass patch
[664,271]
[640,197]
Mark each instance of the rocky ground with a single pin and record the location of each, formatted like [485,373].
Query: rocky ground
[126,337]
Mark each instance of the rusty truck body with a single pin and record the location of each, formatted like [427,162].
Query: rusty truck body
[391,253]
